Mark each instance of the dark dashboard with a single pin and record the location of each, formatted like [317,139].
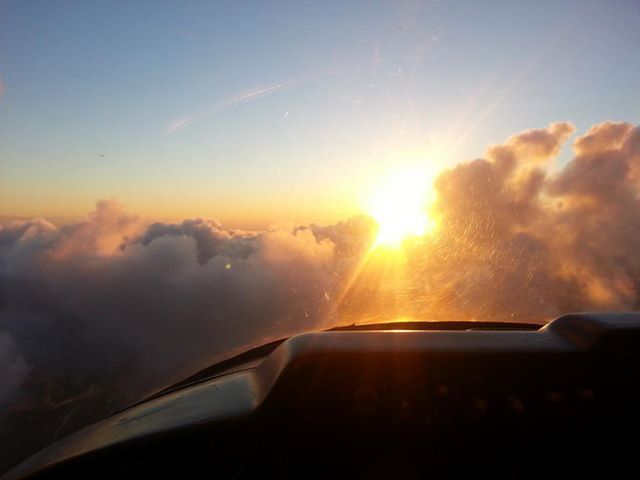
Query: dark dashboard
[400,400]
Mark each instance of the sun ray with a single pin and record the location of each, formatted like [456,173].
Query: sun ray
[401,209]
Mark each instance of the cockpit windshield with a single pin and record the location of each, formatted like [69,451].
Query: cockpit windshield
[181,182]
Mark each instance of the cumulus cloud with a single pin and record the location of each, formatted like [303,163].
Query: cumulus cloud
[519,242]
[96,314]
[109,309]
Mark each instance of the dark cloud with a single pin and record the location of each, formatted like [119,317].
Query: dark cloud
[14,367]
[98,313]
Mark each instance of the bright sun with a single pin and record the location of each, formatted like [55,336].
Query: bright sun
[399,207]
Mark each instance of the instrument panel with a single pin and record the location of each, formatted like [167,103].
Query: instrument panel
[507,403]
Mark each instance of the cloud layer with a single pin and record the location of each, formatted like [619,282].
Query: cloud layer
[96,314]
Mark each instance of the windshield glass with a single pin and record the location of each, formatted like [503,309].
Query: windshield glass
[183,181]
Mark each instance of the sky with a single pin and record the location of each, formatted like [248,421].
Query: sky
[256,113]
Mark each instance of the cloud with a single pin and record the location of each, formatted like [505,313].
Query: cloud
[535,146]
[108,309]
[98,313]
[13,368]
[518,242]
[241,97]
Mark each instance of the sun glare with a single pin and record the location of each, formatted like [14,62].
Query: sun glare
[400,207]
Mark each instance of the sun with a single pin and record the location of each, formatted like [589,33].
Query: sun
[400,207]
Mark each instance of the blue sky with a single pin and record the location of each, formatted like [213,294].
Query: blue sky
[294,108]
